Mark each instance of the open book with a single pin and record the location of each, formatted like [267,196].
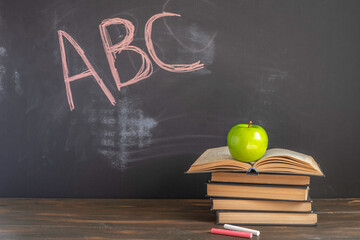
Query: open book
[275,160]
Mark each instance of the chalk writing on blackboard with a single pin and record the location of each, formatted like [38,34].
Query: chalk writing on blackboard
[169,67]
[89,72]
[111,50]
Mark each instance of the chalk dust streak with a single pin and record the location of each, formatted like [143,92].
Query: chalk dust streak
[179,41]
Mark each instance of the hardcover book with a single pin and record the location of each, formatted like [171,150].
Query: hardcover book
[266,218]
[282,179]
[255,191]
[257,205]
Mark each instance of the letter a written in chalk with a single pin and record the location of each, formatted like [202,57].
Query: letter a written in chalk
[89,72]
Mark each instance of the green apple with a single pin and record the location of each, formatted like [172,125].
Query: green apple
[247,142]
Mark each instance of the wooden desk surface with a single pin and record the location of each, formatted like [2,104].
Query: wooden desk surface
[154,219]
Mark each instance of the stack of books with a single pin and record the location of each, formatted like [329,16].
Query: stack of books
[272,191]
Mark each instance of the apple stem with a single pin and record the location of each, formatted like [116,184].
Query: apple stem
[250,123]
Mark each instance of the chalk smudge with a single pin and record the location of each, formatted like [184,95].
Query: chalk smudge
[18,88]
[3,52]
[206,43]
[2,71]
[269,85]
[277,76]
[201,44]
[123,130]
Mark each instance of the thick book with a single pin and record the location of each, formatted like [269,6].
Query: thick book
[266,218]
[282,179]
[257,205]
[255,191]
[276,160]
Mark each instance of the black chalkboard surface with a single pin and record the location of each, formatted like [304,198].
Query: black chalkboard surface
[187,71]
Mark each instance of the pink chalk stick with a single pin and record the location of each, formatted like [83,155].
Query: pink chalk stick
[231,233]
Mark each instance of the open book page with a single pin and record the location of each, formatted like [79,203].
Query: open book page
[274,160]
[214,154]
[275,153]
[217,159]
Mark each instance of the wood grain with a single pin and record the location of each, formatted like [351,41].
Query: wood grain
[154,219]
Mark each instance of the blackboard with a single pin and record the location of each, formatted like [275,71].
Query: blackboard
[292,67]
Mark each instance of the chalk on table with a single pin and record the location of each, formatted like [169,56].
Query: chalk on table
[231,233]
[242,229]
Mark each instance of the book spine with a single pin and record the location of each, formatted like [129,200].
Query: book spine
[252,171]
[257,199]
[262,184]
[267,199]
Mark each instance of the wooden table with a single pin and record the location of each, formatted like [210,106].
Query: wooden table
[154,219]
